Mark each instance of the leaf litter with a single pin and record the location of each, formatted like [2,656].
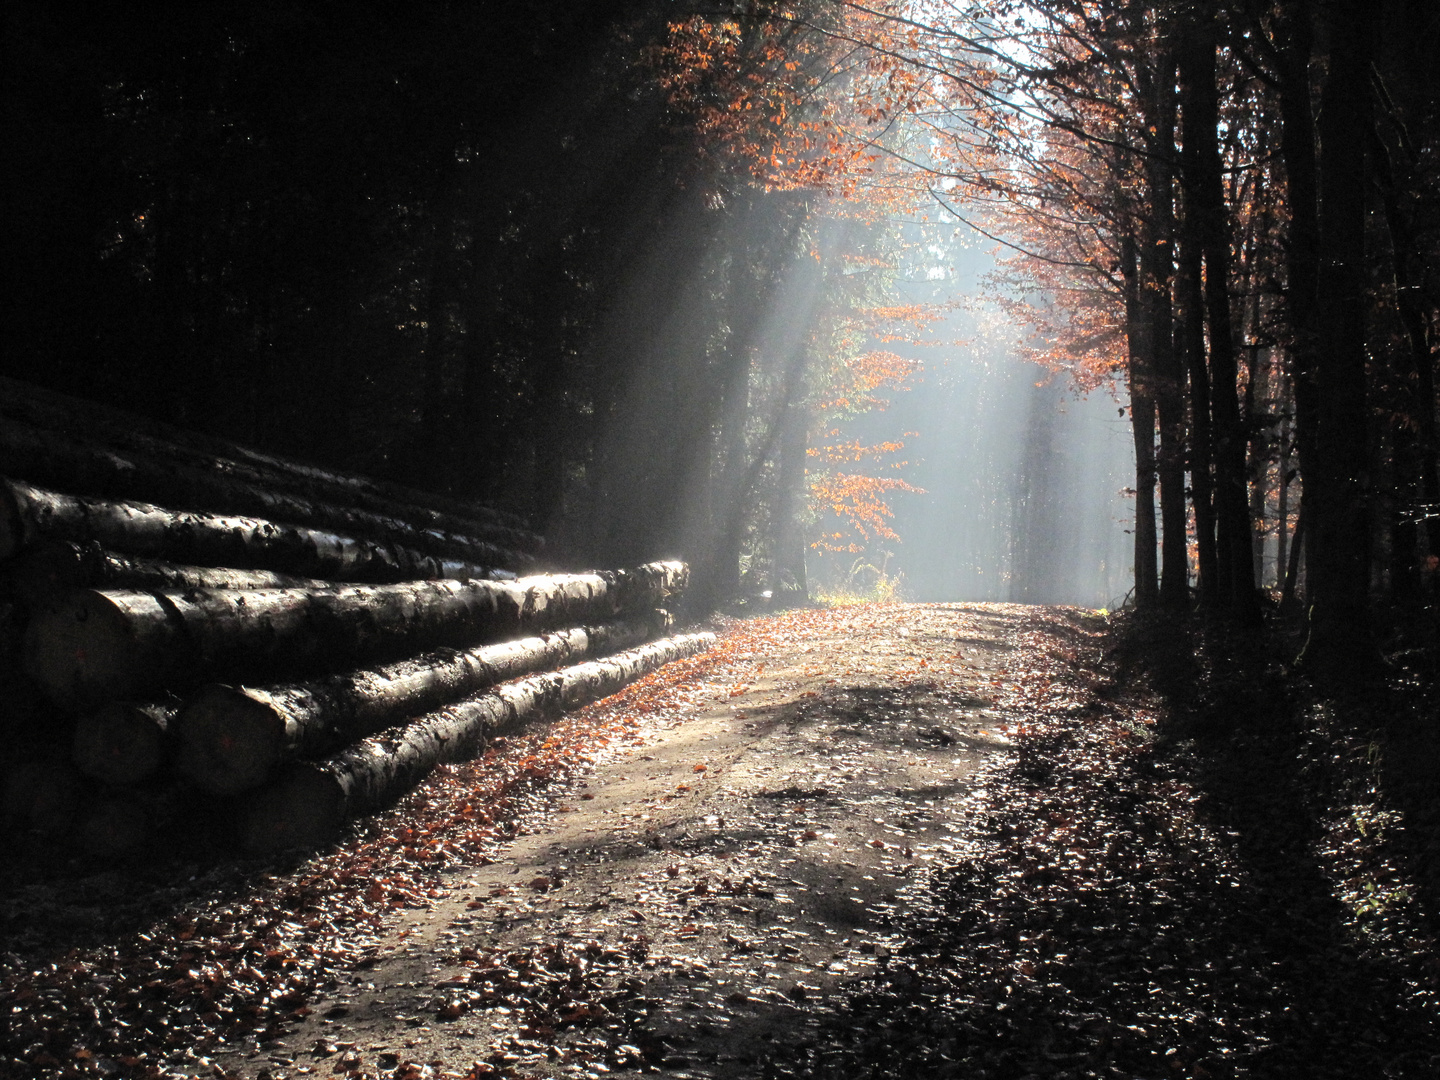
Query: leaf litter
[925,840]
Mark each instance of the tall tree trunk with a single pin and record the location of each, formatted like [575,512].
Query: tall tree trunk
[1207,203]
[1191,299]
[1297,148]
[728,524]
[1142,420]
[1157,267]
[440,288]
[788,536]
[1416,528]
[1284,448]
[1337,482]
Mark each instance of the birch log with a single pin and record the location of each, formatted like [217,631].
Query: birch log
[91,646]
[232,738]
[124,742]
[52,566]
[308,803]
[29,514]
[134,435]
[68,463]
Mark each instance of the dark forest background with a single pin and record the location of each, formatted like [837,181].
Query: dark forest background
[465,246]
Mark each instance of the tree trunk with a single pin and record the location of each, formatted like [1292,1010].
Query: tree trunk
[124,743]
[307,805]
[1192,344]
[83,468]
[1157,264]
[1417,533]
[1292,587]
[90,646]
[1302,262]
[28,514]
[1284,448]
[1337,492]
[789,582]
[1142,422]
[53,566]
[232,739]
[1206,204]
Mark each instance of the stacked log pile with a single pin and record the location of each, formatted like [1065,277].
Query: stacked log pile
[188,625]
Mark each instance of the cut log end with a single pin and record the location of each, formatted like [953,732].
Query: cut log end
[49,567]
[304,809]
[80,652]
[122,743]
[230,739]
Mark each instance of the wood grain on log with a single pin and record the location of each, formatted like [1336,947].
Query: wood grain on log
[29,514]
[90,646]
[66,463]
[130,433]
[308,803]
[52,566]
[232,738]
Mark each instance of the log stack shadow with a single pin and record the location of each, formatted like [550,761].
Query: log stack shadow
[193,630]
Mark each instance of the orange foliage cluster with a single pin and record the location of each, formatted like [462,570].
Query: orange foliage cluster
[793,95]
[856,387]
[752,90]
[860,501]
[853,451]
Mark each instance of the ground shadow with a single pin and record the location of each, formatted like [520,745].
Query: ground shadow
[1222,951]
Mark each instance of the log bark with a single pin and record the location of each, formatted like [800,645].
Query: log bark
[66,463]
[307,805]
[124,742]
[52,566]
[29,514]
[91,646]
[129,433]
[232,738]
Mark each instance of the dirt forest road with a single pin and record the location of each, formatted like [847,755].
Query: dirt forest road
[905,840]
[740,857]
